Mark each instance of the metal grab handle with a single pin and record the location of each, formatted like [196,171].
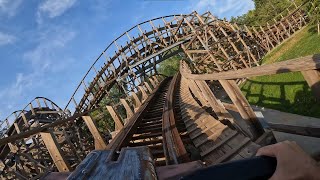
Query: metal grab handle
[260,167]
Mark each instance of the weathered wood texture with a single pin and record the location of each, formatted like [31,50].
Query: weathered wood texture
[215,141]
[294,65]
[98,140]
[173,142]
[55,151]
[117,120]
[133,163]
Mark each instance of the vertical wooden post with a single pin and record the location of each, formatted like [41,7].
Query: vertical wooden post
[98,140]
[55,151]
[219,108]
[136,99]
[156,80]
[313,79]
[24,119]
[116,118]
[17,127]
[216,105]
[144,94]
[127,107]
[243,106]
[152,82]
[148,87]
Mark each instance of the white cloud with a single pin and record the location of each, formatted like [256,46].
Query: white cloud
[22,82]
[6,39]
[51,43]
[236,8]
[9,7]
[205,5]
[53,8]
[42,63]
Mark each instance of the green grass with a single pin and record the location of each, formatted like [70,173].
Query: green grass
[286,92]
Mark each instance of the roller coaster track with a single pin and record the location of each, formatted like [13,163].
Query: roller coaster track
[180,119]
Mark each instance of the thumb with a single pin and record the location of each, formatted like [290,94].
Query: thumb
[267,151]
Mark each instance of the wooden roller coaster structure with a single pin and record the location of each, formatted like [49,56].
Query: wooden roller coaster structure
[180,119]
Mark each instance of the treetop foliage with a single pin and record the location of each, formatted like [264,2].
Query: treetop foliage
[313,9]
[170,66]
[265,11]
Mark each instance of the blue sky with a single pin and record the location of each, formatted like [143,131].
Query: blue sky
[46,46]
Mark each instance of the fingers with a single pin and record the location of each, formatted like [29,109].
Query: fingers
[267,151]
[273,150]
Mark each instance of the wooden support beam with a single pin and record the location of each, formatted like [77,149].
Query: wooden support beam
[148,87]
[127,107]
[152,82]
[136,100]
[55,151]
[294,65]
[243,107]
[32,109]
[17,127]
[218,106]
[313,79]
[144,93]
[24,119]
[197,92]
[98,140]
[115,117]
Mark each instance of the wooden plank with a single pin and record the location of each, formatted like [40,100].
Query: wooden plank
[98,140]
[116,118]
[197,92]
[55,151]
[174,148]
[293,129]
[313,79]
[144,93]
[230,106]
[32,109]
[49,112]
[17,127]
[215,135]
[148,87]
[212,148]
[24,119]
[243,107]
[136,100]
[294,65]
[233,151]
[310,145]
[127,107]
[152,82]
[155,80]
[216,104]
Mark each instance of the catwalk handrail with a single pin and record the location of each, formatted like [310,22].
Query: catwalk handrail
[293,65]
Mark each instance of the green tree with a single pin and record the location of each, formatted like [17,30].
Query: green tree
[102,116]
[265,11]
[313,9]
[170,66]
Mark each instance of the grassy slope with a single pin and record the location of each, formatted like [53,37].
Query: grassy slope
[286,92]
